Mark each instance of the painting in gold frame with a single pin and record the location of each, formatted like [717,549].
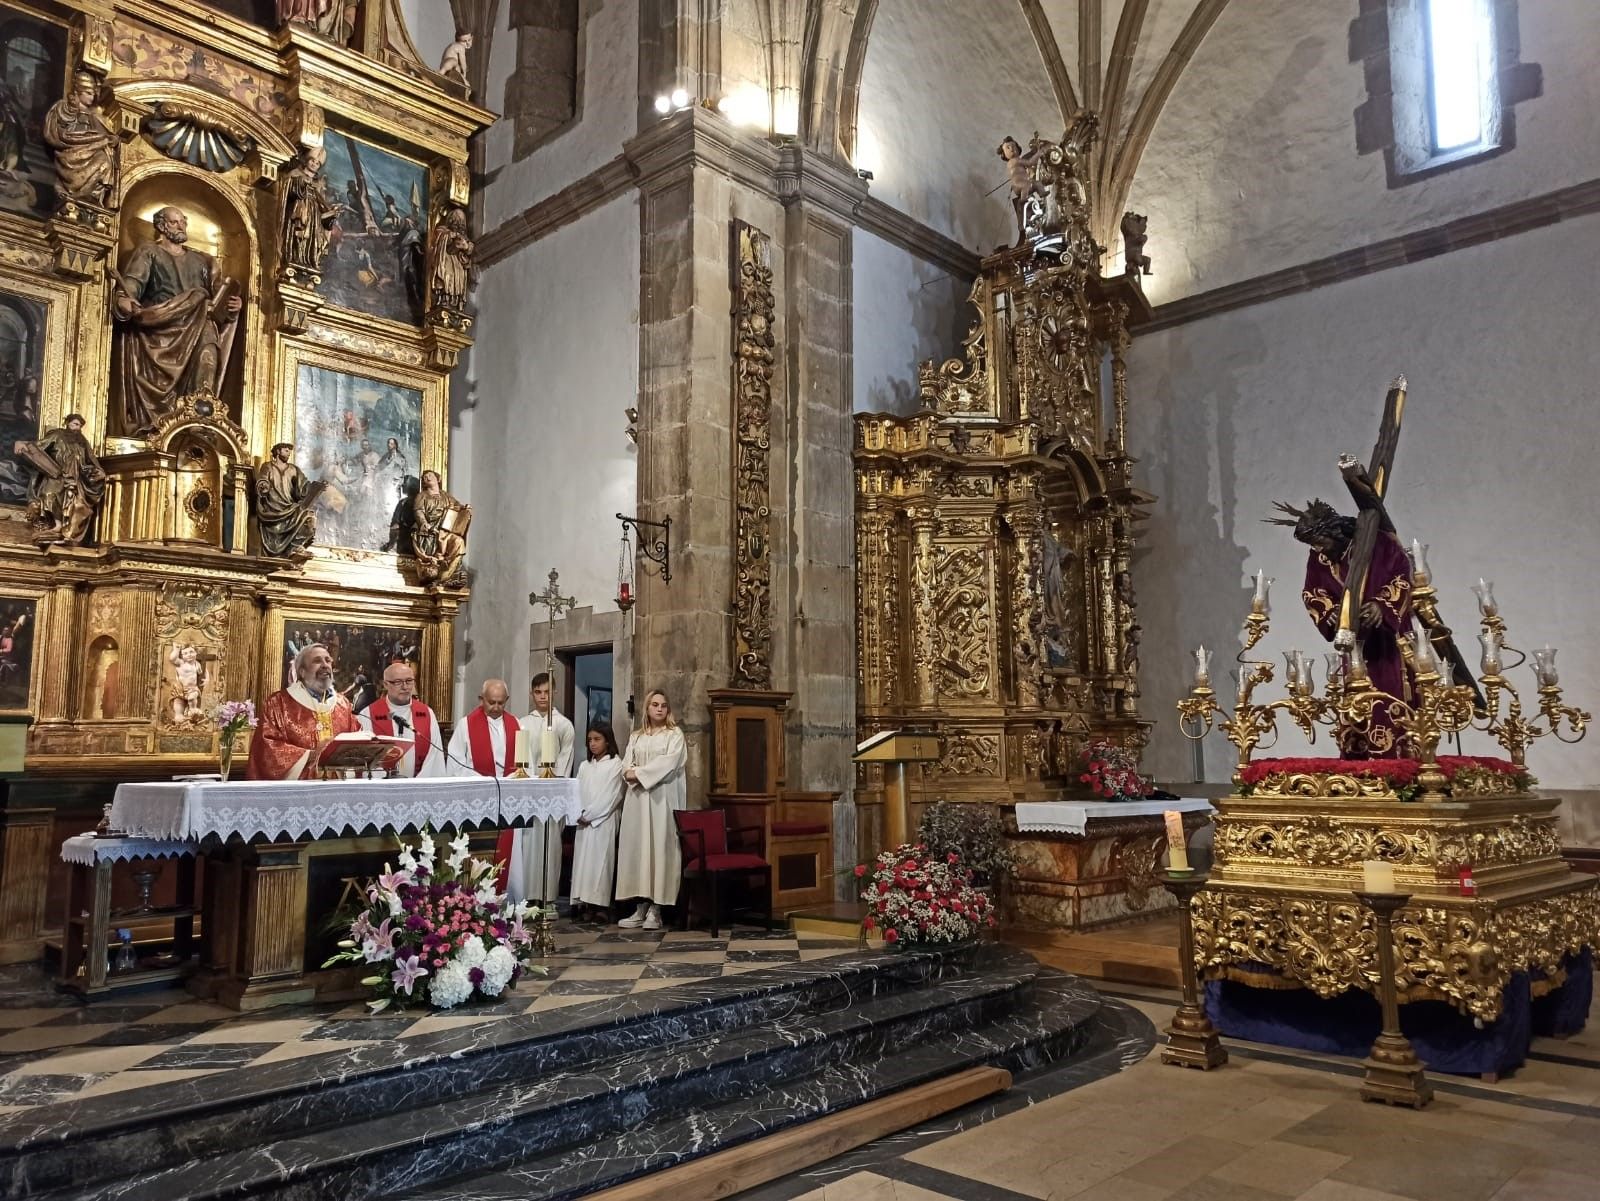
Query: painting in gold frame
[33,65]
[18,620]
[361,652]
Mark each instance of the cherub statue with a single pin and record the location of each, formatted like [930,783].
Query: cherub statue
[190,675]
[1020,177]
[453,64]
[1135,260]
[85,148]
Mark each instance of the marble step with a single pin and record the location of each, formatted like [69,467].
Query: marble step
[1054,1022]
[126,1134]
[376,1155]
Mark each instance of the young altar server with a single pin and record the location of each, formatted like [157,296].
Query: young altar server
[534,851]
[485,742]
[398,712]
[594,847]
[649,864]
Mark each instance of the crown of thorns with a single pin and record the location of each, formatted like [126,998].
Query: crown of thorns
[1318,520]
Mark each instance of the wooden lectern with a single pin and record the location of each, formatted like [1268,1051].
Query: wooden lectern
[894,749]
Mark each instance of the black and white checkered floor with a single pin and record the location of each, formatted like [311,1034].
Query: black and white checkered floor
[55,1048]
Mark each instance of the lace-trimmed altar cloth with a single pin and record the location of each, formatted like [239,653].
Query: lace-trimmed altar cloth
[1073,817]
[88,849]
[306,810]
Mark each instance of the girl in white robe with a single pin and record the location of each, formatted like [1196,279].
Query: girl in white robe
[594,847]
[649,863]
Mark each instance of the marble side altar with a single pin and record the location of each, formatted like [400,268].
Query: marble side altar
[1088,863]
[280,856]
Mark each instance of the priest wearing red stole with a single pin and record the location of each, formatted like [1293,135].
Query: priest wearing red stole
[400,714]
[298,720]
[485,742]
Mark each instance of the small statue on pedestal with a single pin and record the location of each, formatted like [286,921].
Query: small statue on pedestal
[308,215]
[1135,260]
[283,504]
[449,262]
[453,64]
[68,485]
[1020,176]
[85,148]
[439,532]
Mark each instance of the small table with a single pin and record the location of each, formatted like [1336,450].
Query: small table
[87,929]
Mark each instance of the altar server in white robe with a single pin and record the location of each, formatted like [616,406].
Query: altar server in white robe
[649,863]
[594,847]
[398,712]
[485,741]
[536,849]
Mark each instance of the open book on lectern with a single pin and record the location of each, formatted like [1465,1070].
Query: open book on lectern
[360,750]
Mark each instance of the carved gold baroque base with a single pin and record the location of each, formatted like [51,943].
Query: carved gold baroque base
[1281,895]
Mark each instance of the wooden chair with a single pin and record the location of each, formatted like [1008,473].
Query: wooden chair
[709,860]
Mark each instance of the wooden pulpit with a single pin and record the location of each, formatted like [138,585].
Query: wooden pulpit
[894,749]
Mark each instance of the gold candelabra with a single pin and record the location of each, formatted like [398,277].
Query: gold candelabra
[1349,700]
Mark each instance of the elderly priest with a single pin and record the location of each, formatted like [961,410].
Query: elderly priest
[485,743]
[297,721]
[400,714]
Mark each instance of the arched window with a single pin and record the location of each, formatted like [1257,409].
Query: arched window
[1442,79]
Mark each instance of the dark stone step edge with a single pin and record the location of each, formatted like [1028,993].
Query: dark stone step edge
[280,1100]
[378,1156]
[1056,1021]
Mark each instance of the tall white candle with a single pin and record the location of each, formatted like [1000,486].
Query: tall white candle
[1177,842]
[547,745]
[521,755]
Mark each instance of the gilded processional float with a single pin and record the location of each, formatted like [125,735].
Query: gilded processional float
[233,262]
[1494,933]
[995,528]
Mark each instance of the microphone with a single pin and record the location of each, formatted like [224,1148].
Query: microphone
[401,722]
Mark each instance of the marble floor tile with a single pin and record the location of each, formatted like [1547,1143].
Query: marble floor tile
[266,1030]
[1547,1184]
[189,1012]
[1286,1169]
[123,1081]
[17,1019]
[1125,1188]
[650,985]
[434,1023]
[812,954]
[207,1055]
[37,1038]
[869,1186]
[1185,1161]
[602,971]
[558,1001]
[44,1089]
[592,989]
[299,1050]
[669,955]
[99,1013]
[93,1060]
[1339,1190]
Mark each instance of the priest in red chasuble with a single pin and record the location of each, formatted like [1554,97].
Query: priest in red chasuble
[485,742]
[298,720]
[399,713]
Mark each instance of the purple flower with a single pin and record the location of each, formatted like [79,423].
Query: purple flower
[406,973]
[476,976]
[361,927]
[414,922]
[379,944]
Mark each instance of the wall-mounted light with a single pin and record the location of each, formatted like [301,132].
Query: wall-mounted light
[674,101]
[632,415]
[863,173]
[657,548]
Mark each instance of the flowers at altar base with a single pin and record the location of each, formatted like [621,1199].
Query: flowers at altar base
[231,719]
[1465,775]
[1110,770]
[439,933]
[914,896]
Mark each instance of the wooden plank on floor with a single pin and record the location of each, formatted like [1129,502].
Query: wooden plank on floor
[743,1167]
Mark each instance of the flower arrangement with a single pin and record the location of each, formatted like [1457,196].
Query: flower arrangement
[1474,775]
[1111,770]
[914,896]
[974,832]
[232,718]
[440,931]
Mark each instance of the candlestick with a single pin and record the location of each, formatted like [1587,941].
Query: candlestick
[1177,842]
[521,754]
[547,745]
[1202,668]
[1377,876]
[1427,661]
[1192,1041]
[1419,562]
[1393,1074]
[1291,669]
[1258,603]
[1489,661]
[1484,591]
[1304,664]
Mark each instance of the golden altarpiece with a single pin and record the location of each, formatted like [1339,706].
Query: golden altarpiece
[994,532]
[305,189]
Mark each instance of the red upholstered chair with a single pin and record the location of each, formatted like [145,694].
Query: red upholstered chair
[709,859]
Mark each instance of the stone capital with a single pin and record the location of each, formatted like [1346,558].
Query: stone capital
[697,138]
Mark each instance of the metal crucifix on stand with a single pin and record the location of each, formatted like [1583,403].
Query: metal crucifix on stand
[555,605]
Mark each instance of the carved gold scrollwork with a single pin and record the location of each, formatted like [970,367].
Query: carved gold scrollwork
[971,754]
[754,310]
[962,621]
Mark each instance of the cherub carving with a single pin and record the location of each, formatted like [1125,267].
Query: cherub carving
[453,65]
[1135,260]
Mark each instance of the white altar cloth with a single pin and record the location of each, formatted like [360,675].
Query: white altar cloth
[1072,817]
[306,810]
[89,849]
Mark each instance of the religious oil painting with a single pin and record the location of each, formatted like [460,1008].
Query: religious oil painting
[33,60]
[378,246]
[363,439]
[360,653]
[16,652]
[22,327]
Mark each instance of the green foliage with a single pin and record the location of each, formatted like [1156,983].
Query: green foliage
[972,831]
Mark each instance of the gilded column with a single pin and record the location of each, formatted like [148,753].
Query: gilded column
[869,588]
[924,519]
[58,647]
[754,313]
[139,664]
[1117,441]
[1027,526]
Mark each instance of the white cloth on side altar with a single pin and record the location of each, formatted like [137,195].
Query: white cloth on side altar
[1073,817]
[594,847]
[305,810]
[460,757]
[535,869]
[432,765]
[649,863]
[90,849]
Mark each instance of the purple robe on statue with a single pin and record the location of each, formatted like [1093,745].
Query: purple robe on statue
[1389,590]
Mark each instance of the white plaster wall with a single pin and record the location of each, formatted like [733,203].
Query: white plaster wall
[556,363]
[906,310]
[432,27]
[1252,166]
[943,82]
[607,110]
[1495,468]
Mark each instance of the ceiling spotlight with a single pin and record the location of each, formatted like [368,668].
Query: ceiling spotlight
[680,98]
[864,174]
[663,104]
